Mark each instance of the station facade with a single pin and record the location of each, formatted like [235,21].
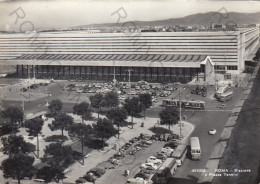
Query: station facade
[150,56]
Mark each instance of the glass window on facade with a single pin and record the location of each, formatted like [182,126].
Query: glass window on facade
[232,67]
[161,71]
[219,67]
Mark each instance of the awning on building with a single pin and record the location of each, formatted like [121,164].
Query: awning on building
[137,60]
[251,56]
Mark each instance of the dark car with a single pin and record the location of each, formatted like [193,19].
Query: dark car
[148,171]
[161,156]
[98,172]
[81,180]
[142,175]
[172,144]
[24,89]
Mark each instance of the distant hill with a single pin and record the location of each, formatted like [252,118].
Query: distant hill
[195,19]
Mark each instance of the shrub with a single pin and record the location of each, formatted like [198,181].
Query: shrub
[95,143]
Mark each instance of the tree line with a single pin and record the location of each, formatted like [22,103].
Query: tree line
[19,163]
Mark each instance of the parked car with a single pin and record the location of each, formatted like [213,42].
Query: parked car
[168,151]
[81,181]
[142,175]
[149,165]
[148,171]
[146,142]
[161,156]
[90,177]
[222,106]
[98,172]
[136,181]
[137,148]
[172,144]
[154,160]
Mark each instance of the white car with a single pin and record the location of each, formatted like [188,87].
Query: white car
[138,148]
[136,180]
[212,132]
[154,160]
[149,165]
[167,151]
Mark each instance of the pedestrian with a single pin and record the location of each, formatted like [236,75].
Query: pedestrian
[127,172]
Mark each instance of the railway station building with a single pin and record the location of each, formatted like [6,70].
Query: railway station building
[150,56]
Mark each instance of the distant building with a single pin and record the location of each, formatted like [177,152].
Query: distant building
[212,25]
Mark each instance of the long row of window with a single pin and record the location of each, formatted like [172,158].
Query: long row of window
[223,67]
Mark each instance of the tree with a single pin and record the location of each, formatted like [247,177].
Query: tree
[104,129]
[118,116]
[83,109]
[55,107]
[14,144]
[61,122]
[18,166]
[80,132]
[49,173]
[96,101]
[15,114]
[58,155]
[110,99]
[34,128]
[169,116]
[133,107]
[146,101]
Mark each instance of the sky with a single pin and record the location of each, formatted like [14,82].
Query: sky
[58,14]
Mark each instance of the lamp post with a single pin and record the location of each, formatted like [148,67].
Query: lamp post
[129,79]
[180,137]
[114,80]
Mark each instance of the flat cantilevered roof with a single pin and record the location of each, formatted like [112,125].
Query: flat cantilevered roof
[138,60]
[252,54]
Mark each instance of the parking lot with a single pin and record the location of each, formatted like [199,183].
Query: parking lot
[131,162]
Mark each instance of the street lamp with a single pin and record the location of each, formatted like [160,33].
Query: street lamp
[129,79]
[114,80]
[180,109]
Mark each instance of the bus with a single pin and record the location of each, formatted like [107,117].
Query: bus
[194,104]
[225,96]
[180,154]
[184,104]
[195,148]
[166,171]
[221,90]
[39,181]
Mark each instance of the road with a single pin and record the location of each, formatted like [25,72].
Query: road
[203,122]
[244,148]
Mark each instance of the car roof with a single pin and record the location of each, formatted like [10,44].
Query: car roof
[152,157]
